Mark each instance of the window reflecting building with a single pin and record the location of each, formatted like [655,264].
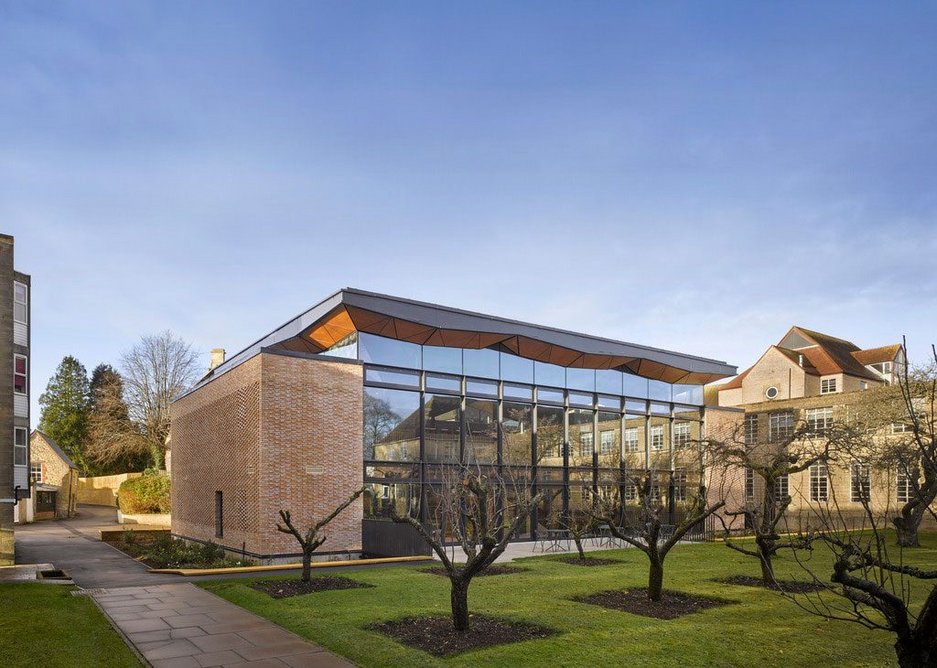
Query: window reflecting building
[564,413]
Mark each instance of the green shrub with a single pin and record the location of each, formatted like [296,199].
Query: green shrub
[146,494]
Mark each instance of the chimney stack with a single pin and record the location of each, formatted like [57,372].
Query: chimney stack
[217,357]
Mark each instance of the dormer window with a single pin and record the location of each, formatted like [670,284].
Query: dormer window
[827,385]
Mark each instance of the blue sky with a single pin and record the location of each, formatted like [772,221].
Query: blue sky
[694,176]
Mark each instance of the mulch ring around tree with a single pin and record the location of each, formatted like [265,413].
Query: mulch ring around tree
[673,604]
[437,636]
[588,561]
[491,570]
[786,586]
[287,588]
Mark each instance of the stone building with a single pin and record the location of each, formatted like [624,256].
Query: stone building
[804,384]
[373,390]
[14,393]
[53,480]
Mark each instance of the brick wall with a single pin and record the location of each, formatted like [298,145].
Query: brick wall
[312,455]
[276,432]
[216,447]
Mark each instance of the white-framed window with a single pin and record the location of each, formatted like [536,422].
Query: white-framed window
[631,439]
[749,483]
[35,473]
[904,487]
[19,374]
[819,420]
[679,486]
[860,482]
[902,428]
[819,483]
[883,368]
[586,443]
[20,440]
[20,302]
[607,441]
[782,488]
[681,435]
[751,428]
[631,492]
[780,426]
[657,437]
[863,385]
[827,385]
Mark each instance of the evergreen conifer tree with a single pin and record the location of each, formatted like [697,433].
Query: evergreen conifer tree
[66,405]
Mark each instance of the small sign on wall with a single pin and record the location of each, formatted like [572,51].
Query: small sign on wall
[314,470]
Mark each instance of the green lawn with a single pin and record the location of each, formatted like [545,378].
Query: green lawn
[763,629]
[44,625]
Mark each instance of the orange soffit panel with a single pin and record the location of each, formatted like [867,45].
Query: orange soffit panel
[335,327]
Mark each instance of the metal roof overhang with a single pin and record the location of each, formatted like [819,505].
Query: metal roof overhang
[418,322]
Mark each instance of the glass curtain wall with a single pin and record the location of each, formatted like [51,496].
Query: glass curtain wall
[567,433]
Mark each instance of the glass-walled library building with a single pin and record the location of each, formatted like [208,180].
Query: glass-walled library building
[391,393]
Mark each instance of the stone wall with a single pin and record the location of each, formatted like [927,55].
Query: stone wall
[101,490]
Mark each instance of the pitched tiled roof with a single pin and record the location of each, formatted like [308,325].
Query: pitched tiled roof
[834,355]
[873,355]
[829,356]
[736,382]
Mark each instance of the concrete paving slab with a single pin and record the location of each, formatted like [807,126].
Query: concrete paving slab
[170,622]
[179,662]
[225,658]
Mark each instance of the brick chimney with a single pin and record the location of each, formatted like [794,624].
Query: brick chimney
[217,357]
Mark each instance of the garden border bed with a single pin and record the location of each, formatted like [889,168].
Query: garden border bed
[436,635]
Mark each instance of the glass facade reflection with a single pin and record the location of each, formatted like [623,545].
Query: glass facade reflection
[575,433]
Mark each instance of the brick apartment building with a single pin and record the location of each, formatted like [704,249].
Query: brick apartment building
[811,380]
[14,393]
[373,390]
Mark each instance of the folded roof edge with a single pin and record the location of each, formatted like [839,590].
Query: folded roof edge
[449,318]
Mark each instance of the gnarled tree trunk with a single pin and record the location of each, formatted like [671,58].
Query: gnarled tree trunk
[915,652]
[767,570]
[655,578]
[906,525]
[307,565]
[459,601]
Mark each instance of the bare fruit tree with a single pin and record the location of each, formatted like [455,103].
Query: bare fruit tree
[772,461]
[646,529]
[916,456]
[580,523]
[482,512]
[312,538]
[155,371]
[872,583]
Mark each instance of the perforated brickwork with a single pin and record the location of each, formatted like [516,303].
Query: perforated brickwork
[216,447]
[277,432]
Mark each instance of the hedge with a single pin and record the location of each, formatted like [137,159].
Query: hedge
[146,494]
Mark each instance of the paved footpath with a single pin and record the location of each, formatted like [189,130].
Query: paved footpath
[182,626]
[169,621]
